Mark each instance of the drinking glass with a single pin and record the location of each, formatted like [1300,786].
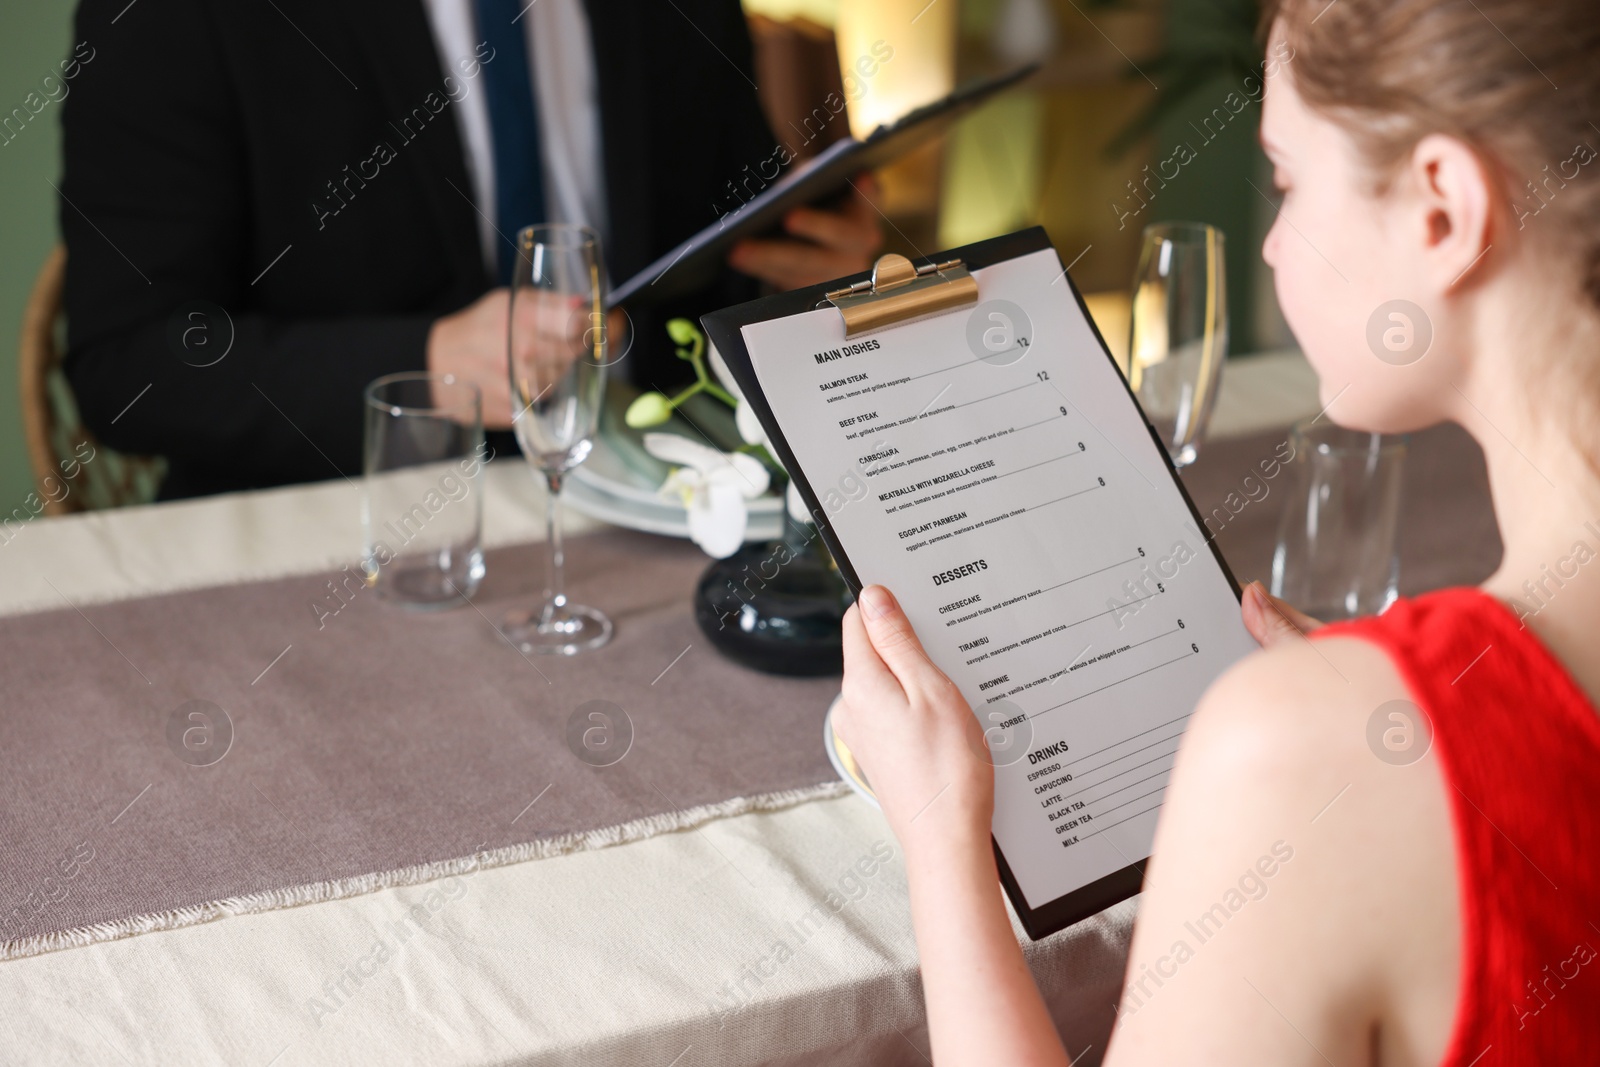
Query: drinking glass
[422,511]
[1336,557]
[557,345]
[1179,333]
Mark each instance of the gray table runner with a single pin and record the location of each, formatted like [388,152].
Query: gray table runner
[370,746]
[344,745]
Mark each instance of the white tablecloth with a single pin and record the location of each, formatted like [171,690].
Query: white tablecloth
[686,949]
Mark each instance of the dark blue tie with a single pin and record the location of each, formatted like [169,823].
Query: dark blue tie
[514,126]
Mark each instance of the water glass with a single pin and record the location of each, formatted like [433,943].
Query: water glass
[422,511]
[1179,333]
[1336,556]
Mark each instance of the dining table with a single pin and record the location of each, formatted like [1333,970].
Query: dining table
[394,850]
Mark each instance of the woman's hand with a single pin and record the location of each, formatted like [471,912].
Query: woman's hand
[912,731]
[1271,620]
[925,755]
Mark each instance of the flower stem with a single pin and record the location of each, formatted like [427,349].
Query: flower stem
[686,394]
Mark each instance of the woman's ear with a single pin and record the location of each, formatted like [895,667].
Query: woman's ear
[1453,191]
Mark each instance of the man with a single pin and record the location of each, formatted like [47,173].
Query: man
[268,204]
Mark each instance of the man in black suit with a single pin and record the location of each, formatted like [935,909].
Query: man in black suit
[268,204]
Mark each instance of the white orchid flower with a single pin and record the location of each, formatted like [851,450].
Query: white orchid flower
[713,487]
[750,429]
[743,417]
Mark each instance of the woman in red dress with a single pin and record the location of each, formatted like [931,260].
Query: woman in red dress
[1439,910]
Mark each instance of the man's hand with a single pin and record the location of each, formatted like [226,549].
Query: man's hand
[1271,620]
[471,345]
[833,243]
[551,332]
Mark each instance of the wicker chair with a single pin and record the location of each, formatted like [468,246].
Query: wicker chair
[57,440]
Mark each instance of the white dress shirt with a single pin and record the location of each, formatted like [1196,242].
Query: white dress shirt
[561,53]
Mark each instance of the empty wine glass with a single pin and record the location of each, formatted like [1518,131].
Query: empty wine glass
[1179,335]
[1336,556]
[557,348]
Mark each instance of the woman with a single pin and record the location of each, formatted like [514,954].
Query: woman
[1442,910]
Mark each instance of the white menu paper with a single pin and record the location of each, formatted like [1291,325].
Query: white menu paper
[989,466]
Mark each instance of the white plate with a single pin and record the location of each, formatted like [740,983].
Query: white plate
[606,471]
[654,515]
[590,501]
[618,482]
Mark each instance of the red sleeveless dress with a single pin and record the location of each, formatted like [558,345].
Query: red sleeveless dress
[1519,744]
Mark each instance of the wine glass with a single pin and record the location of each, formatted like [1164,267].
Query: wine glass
[557,348]
[1179,335]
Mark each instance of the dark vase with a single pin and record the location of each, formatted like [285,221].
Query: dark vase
[776,606]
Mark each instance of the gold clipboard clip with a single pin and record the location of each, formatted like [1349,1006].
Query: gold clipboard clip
[899,291]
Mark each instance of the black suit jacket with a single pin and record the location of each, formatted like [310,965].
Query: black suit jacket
[199,144]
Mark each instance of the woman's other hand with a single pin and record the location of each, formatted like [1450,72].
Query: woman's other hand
[1271,620]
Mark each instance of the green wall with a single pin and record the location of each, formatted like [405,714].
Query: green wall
[1225,181]
[34,38]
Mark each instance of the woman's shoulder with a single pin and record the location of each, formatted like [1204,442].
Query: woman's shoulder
[1345,677]
[1295,731]
[1360,924]
[1301,701]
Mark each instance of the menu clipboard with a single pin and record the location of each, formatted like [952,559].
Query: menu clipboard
[694,261]
[961,433]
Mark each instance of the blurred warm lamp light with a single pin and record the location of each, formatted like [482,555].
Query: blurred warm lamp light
[923,68]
